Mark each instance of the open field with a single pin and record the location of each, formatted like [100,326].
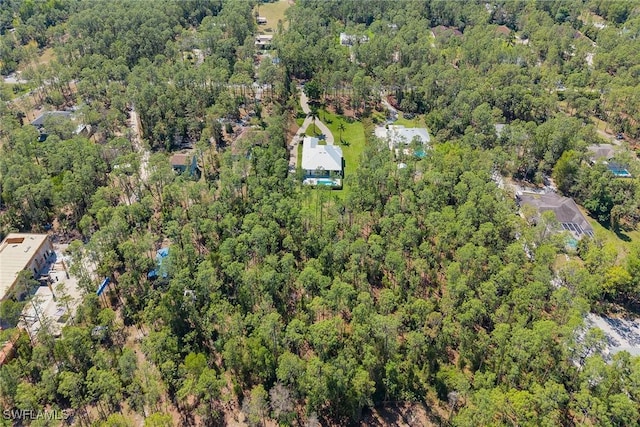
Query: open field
[45,57]
[274,12]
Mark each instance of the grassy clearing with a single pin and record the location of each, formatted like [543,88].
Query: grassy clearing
[45,57]
[274,12]
[417,122]
[351,139]
[623,240]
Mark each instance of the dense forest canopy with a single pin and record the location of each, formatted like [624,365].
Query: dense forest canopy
[417,285]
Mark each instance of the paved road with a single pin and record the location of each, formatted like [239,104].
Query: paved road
[304,103]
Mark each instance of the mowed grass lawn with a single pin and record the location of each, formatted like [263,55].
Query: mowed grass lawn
[273,12]
[416,122]
[352,143]
[622,240]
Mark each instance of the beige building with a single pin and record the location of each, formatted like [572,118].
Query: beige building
[22,252]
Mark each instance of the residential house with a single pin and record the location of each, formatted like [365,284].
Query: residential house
[399,138]
[569,216]
[39,123]
[445,32]
[183,162]
[263,41]
[322,164]
[604,153]
[350,39]
[18,252]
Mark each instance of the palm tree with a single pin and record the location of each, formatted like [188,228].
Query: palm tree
[341,128]
[314,115]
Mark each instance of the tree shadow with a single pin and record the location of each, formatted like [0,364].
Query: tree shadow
[622,235]
[619,232]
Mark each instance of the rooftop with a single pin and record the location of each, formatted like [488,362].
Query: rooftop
[16,252]
[601,152]
[398,134]
[350,39]
[162,266]
[566,210]
[39,121]
[503,29]
[179,159]
[441,30]
[320,157]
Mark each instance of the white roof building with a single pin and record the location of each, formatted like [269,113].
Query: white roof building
[264,39]
[22,252]
[350,39]
[397,135]
[316,157]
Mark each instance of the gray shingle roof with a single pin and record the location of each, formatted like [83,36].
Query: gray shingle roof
[566,210]
[39,121]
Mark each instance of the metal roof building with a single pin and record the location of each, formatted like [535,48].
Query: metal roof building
[22,252]
[397,135]
[320,160]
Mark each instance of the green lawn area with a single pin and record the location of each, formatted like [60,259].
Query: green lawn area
[352,143]
[313,130]
[622,240]
[273,12]
[416,122]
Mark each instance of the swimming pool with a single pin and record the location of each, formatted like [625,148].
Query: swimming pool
[618,170]
[328,182]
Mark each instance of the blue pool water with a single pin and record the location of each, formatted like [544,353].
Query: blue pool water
[618,170]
